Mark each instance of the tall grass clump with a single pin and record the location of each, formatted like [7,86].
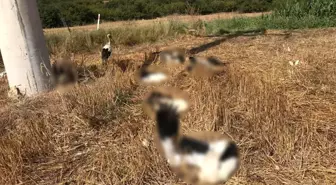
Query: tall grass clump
[291,14]
[233,25]
[128,35]
[296,14]
[304,8]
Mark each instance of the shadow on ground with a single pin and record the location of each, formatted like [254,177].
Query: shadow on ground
[226,35]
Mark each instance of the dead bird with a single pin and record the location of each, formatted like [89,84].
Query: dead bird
[205,65]
[173,56]
[64,72]
[197,158]
[152,75]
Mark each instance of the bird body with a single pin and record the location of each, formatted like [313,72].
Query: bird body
[64,72]
[216,156]
[172,56]
[197,158]
[208,62]
[106,51]
[205,66]
[152,75]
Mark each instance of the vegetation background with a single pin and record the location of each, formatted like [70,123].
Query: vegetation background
[285,14]
[79,12]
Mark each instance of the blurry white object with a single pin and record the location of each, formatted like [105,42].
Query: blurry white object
[294,63]
[145,143]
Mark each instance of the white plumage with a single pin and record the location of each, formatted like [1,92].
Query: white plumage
[151,75]
[154,78]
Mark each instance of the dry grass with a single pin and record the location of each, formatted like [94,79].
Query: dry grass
[282,117]
[181,18]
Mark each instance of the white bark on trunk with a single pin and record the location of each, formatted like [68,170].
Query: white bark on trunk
[23,46]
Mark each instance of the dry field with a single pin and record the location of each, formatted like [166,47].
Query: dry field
[283,117]
[181,18]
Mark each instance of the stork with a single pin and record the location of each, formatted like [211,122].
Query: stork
[106,51]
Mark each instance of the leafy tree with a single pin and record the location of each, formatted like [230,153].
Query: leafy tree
[50,17]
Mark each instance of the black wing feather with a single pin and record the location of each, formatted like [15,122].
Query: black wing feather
[189,145]
[231,151]
[214,61]
[168,121]
[105,54]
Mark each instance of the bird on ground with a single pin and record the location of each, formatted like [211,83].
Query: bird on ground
[64,72]
[205,65]
[168,95]
[106,51]
[202,158]
[152,75]
[172,56]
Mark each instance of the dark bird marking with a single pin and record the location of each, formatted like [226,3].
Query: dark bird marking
[189,145]
[168,121]
[214,61]
[192,60]
[231,151]
[105,54]
[144,73]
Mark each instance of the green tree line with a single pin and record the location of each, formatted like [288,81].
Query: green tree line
[58,13]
